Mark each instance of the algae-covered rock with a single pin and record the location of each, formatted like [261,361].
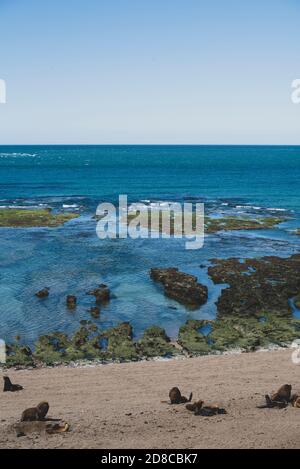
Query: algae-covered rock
[155,343]
[213,225]
[120,345]
[50,348]
[255,285]
[85,343]
[18,355]
[192,339]
[180,286]
[238,332]
[25,218]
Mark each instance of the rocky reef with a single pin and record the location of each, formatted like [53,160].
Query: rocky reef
[254,310]
[242,333]
[211,224]
[25,218]
[256,285]
[180,286]
[90,343]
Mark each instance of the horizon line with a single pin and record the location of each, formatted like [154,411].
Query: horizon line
[151,144]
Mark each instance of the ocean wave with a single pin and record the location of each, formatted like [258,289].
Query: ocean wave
[70,206]
[24,207]
[15,155]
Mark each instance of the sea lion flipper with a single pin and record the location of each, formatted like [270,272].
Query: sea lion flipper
[191,397]
[269,401]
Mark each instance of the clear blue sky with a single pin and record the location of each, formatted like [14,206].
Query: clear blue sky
[149,71]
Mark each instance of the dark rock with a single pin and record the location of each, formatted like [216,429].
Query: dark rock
[95,312]
[180,286]
[44,293]
[102,293]
[256,285]
[71,301]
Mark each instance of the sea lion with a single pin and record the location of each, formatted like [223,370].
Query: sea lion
[279,399]
[41,427]
[283,394]
[210,410]
[295,400]
[176,397]
[44,293]
[8,386]
[195,407]
[52,428]
[71,301]
[35,413]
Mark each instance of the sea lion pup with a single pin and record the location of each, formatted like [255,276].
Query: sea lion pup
[210,410]
[8,386]
[195,407]
[176,397]
[35,413]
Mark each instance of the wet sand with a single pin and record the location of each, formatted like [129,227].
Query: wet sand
[119,405]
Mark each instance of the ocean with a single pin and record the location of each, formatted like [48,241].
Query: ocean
[230,180]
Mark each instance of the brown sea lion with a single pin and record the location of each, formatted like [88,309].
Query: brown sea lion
[41,427]
[283,394]
[210,410]
[195,407]
[52,428]
[176,397]
[8,386]
[279,399]
[35,413]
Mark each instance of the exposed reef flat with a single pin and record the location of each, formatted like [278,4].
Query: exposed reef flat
[23,218]
[256,285]
[254,311]
[211,224]
[89,343]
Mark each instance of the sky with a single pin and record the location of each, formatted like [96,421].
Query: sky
[149,71]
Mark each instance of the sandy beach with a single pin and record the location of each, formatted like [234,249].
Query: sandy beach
[119,405]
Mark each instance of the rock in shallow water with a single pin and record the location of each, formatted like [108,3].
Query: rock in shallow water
[44,293]
[180,286]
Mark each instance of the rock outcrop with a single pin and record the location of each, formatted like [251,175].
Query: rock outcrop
[180,286]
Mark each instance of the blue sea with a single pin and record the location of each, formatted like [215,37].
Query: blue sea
[230,180]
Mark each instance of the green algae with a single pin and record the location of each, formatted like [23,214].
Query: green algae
[23,218]
[120,345]
[155,343]
[211,225]
[232,332]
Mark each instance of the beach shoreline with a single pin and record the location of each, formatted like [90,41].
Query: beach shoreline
[120,406]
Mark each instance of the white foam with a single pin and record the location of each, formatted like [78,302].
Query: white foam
[15,155]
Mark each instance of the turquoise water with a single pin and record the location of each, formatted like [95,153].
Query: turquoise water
[230,180]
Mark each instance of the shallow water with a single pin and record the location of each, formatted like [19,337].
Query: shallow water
[71,259]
